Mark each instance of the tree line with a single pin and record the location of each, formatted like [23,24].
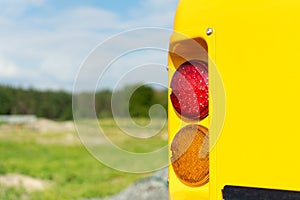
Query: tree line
[57,105]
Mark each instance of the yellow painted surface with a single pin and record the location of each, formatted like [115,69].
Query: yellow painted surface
[255,47]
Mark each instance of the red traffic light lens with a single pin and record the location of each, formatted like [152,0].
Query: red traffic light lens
[190,90]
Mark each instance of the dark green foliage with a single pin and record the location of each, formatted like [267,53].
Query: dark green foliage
[58,104]
[6,99]
[141,101]
[103,103]
[133,100]
[49,104]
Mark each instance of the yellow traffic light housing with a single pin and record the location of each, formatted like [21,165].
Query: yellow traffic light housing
[251,49]
[189,116]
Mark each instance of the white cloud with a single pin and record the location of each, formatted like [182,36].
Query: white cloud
[83,19]
[158,4]
[7,69]
[14,8]
[46,52]
[158,13]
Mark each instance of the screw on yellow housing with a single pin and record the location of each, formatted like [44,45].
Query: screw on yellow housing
[254,46]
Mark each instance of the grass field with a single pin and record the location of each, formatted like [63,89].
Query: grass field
[72,173]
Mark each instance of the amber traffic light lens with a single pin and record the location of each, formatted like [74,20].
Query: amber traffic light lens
[190,90]
[190,155]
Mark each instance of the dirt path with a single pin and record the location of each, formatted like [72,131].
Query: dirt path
[28,183]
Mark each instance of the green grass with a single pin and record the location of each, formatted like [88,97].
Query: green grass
[12,193]
[2,123]
[72,172]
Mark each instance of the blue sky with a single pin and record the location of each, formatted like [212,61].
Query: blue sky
[44,42]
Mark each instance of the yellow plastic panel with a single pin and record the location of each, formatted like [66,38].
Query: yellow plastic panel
[256,49]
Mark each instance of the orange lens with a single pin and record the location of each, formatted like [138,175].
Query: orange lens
[190,155]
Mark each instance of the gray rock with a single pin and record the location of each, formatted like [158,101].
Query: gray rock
[151,188]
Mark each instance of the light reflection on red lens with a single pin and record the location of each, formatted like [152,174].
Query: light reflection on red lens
[190,90]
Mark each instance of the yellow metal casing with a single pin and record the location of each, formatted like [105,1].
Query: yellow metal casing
[254,46]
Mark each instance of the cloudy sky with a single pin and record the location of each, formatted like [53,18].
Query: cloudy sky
[43,43]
